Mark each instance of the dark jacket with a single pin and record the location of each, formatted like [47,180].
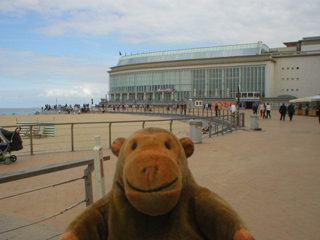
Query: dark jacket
[283,109]
[291,108]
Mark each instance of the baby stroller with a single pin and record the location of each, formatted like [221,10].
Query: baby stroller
[9,141]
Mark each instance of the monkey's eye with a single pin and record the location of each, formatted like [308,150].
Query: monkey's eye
[134,146]
[167,145]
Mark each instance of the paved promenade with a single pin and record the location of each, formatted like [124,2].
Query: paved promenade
[271,177]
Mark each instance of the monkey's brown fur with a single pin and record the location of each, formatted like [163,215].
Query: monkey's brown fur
[154,196]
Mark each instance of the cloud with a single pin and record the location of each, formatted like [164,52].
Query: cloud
[26,65]
[41,78]
[86,90]
[180,21]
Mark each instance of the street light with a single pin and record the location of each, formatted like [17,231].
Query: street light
[238,114]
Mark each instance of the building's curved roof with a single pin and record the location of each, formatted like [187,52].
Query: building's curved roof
[195,53]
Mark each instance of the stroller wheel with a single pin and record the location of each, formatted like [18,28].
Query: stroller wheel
[13,158]
[7,161]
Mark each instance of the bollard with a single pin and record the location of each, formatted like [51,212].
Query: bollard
[98,167]
[196,131]
[254,124]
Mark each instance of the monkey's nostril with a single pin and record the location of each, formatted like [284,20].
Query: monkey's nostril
[150,169]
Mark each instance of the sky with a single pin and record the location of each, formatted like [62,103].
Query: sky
[54,51]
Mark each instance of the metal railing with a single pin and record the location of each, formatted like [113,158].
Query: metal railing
[205,112]
[79,136]
[37,171]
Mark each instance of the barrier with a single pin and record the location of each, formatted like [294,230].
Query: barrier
[112,129]
[37,171]
[98,165]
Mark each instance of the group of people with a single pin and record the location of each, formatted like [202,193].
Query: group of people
[283,111]
[264,110]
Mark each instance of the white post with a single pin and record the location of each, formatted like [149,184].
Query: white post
[98,166]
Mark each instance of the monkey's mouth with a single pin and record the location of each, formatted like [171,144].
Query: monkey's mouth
[152,190]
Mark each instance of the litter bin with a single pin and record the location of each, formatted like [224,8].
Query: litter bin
[254,124]
[196,131]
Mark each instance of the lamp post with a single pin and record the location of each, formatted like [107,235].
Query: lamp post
[238,114]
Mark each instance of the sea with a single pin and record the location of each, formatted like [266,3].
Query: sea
[19,111]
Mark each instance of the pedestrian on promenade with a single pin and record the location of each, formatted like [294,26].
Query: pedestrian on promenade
[233,112]
[255,108]
[219,108]
[233,109]
[283,111]
[268,111]
[291,111]
[261,110]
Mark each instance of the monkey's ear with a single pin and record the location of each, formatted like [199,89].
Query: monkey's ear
[188,146]
[116,145]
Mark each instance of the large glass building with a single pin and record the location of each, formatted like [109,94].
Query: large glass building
[209,73]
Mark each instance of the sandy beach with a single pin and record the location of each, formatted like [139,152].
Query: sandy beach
[84,133]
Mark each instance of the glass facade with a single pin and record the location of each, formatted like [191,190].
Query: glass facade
[182,84]
[195,53]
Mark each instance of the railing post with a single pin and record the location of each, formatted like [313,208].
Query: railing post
[143,123]
[217,129]
[222,124]
[72,138]
[171,125]
[243,119]
[210,127]
[237,120]
[98,166]
[31,139]
[88,184]
[109,135]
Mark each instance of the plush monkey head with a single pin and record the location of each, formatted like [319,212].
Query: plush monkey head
[152,169]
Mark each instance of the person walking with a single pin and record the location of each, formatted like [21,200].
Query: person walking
[283,111]
[233,112]
[219,108]
[261,110]
[264,111]
[255,108]
[291,111]
[233,109]
[216,109]
[268,107]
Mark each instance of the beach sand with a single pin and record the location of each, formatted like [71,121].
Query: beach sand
[84,133]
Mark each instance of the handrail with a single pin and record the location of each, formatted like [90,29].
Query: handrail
[32,172]
[222,120]
[36,171]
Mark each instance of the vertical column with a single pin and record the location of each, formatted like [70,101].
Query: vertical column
[98,166]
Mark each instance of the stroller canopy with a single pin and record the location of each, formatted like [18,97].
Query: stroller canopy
[12,138]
